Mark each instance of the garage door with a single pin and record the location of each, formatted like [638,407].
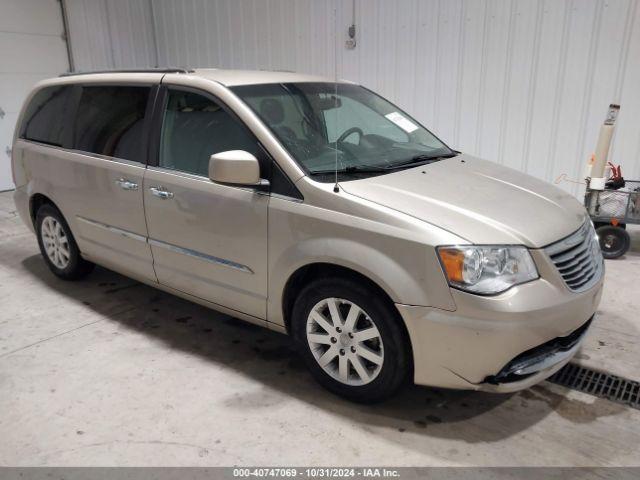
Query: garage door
[32,47]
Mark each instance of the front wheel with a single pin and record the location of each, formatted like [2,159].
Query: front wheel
[351,339]
[614,241]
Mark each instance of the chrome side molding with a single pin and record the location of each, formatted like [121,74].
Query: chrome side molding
[200,255]
[116,230]
[174,248]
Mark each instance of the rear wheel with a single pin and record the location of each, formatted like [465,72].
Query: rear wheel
[351,339]
[614,241]
[57,245]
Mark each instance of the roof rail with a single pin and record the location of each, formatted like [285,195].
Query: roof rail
[133,70]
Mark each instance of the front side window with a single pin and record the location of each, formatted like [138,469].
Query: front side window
[110,121]
[327,125]
[195,127]
[45,119]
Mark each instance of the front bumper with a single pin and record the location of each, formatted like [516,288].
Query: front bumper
[475,346]
[538,363]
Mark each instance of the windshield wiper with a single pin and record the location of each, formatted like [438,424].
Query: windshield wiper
[413,162]
[418,160]
[352,169]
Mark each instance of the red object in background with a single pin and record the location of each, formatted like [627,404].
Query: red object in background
[616,171]
[616,179]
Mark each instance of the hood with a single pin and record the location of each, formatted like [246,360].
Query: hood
[478,200]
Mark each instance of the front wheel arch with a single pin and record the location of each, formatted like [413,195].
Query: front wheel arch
[308,273]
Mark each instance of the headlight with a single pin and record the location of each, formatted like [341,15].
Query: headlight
[487,270]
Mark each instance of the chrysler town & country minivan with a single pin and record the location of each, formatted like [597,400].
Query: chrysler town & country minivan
[317,209]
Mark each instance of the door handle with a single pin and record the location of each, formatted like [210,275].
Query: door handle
[160,192]
[125,184]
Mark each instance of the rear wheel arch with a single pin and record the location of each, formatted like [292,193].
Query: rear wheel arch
[36,201]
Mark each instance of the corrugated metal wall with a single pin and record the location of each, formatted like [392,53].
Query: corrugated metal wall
[524,83]
[108,34]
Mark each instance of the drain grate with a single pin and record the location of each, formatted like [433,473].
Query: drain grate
[605,385]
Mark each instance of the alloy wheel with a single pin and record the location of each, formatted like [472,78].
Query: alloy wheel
[55,242]
[345,341]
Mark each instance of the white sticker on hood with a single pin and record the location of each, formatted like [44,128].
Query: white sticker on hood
[402,122]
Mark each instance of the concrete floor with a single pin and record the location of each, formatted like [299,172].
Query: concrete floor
[110,372]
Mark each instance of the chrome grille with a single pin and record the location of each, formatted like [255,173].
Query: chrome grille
[578,258]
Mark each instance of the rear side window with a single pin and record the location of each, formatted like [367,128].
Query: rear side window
[45,119]
[110,121]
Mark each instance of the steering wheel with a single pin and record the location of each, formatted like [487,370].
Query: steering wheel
[348,132]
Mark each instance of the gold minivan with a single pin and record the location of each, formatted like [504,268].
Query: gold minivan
[313,208]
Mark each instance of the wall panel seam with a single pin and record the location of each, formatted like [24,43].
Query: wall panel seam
[460,73]
[483,80]
[557,101]
[504,110]
[586,104]
[533,77]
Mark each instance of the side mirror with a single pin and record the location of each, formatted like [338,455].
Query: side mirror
[236,167]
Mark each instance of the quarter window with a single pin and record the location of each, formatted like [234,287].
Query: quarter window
[45,117]
[110,121]
[194,128]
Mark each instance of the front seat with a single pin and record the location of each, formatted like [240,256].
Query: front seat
[272,111]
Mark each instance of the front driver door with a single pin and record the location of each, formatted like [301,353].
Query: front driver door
[208,240]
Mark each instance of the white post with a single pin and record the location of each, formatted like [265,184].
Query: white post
[598,180]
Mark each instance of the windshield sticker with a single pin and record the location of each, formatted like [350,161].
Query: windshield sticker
[402,122]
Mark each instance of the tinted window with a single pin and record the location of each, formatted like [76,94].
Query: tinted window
[44,119]
[110,121]
[194,128]
[281,184]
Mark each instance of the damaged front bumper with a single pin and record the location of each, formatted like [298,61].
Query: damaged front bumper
[541,358]
[502,343]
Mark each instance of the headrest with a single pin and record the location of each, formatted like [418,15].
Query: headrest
[272,110]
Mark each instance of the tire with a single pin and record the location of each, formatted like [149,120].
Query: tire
[614,241]
[57,245]
[375,367]
[597,225]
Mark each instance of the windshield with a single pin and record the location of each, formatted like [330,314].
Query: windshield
[322,124]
